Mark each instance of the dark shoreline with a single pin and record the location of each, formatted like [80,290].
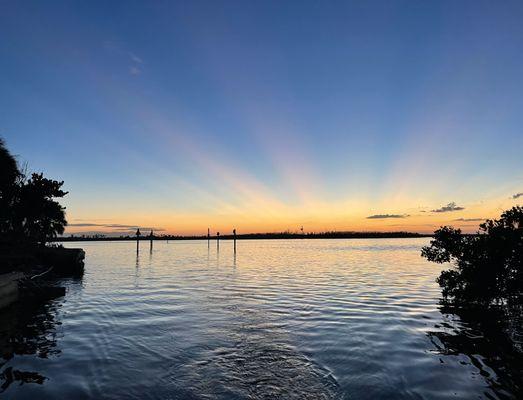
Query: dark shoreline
[257,236]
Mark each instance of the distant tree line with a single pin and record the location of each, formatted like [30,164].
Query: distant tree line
[29,213]
[245,236]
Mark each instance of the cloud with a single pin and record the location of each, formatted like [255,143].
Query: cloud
[85,224]
[385,216]
[135,70]
[448,208]
[116,227]
[137,64]
[135,58]
[469,219]
[134,63]
[517,195]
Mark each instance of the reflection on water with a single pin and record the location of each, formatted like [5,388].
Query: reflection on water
[303,319]
[489,341]
[26,330]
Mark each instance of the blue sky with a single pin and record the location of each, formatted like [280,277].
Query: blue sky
[267,115]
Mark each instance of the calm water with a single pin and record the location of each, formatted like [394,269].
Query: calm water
[318,319]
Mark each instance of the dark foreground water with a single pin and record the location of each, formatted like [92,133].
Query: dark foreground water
[289,319]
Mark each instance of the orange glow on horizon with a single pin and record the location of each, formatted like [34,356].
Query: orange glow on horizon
[271,216]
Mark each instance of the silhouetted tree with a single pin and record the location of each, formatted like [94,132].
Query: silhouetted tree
[39,215]
[10,178]
[488,265]
[28,211]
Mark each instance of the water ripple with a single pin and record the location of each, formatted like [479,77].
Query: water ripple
[290,319]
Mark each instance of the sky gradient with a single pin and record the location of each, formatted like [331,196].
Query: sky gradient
[268,116]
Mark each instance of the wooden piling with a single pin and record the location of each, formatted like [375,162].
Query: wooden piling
[138,234]
[151,237]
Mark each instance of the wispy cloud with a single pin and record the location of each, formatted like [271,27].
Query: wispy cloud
[385,216]
[135,70]
[517,195]
[135,63]
[116,227]
[136,66]
[135,58]
[85,224]
[469,219]
[448,208]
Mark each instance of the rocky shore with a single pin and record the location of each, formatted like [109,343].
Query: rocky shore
[31,273]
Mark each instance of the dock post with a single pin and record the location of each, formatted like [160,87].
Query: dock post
[151,236]
[138,234]
[234,237]
[218,240]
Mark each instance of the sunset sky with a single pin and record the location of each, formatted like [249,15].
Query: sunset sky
[268,116]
